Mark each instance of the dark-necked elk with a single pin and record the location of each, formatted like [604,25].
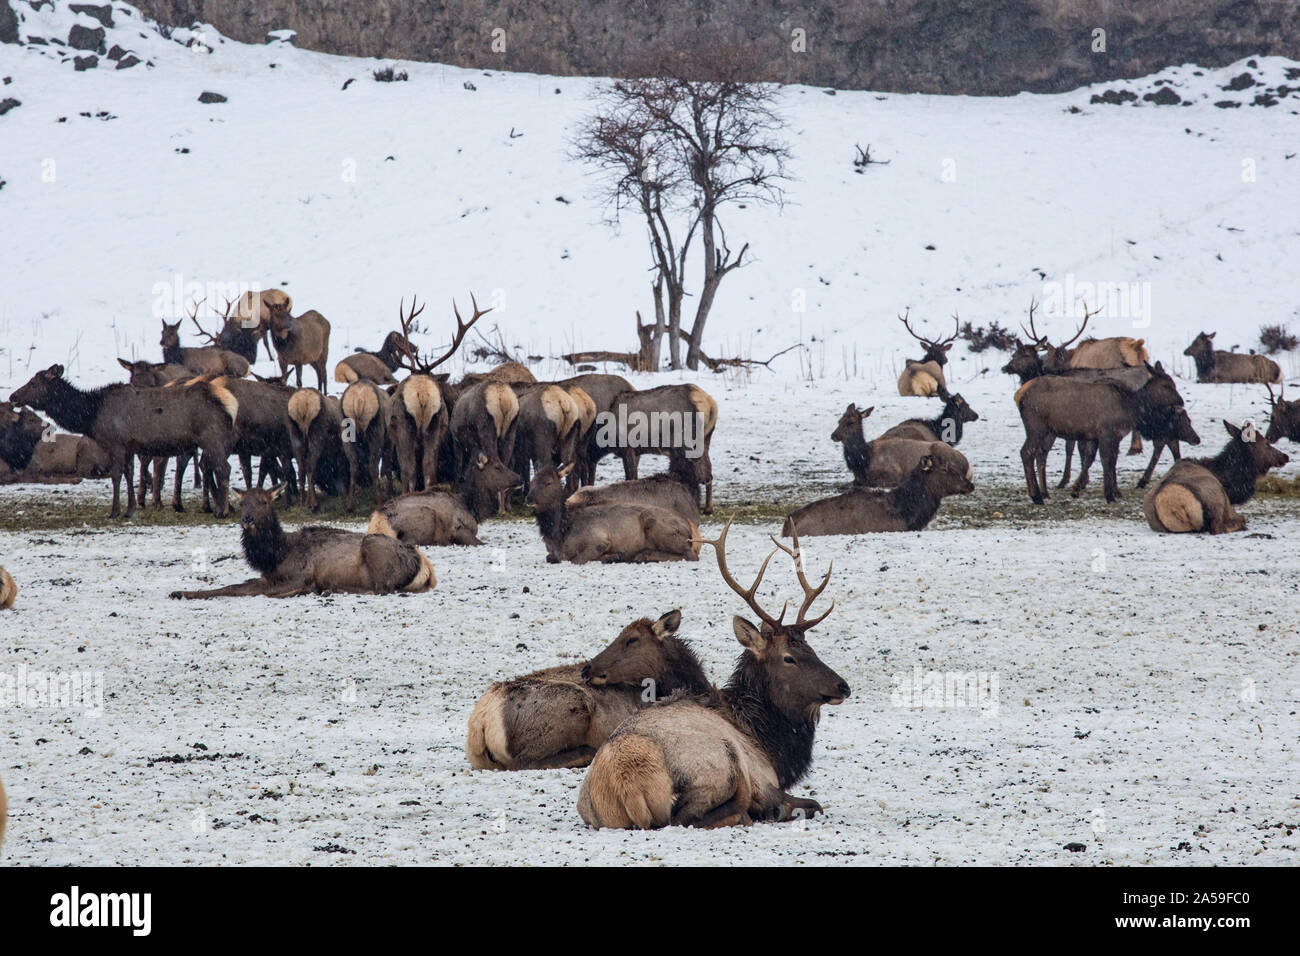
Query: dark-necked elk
[1197,494]
[21,431]
[316,559]
[559,717]
[886,462]
[8,591]
[315,425]
[377,367]
[30,453]
[1284,416]
[673,420]
[207,360]
[728,756]
[1096,414]
[603,391]
[924,377]
[251,322]
[366,409]
[607,533]
[298,339]
[908,507]
[440,518]
[128,421]
[420,415]
[1214,365]
[947,426]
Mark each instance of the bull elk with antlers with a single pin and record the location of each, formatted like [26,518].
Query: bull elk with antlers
[1284,415]
[729,756]
[925,377]
[207,360]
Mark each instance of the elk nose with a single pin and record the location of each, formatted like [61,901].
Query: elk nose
[586,671]
[844,688]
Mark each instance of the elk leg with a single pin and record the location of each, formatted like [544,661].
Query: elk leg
[1158,447]
[298,373]
[729,814]
[128,473]
[1135,446]
[350,500]
[1087,455]
[564,760]
[1069,453]
[1110,464]
[374,477]
[250,588]
[1027,456]
[178,482]
[115,469]
[320,375]
[246,468]
[144,480]
[159,478]
[631,463]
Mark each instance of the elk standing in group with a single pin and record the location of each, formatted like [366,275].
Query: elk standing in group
[314,559]
[673,420]
[299,340]
[1198,494]
[1214,365]
[443,517]
[925,377]
[315,425]
[251,322]
[729,756]
[483,422]
[559,717]
[128,421]
[603,391]
[546,429]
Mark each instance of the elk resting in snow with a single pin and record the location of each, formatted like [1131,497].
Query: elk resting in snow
[909,507]
[441,517]
[947,426]
[29,454]
[886,461]
[1213,365]
[299,340]
[208,360]
[315,560]
[728,756]
[509,372]
[1284,416]
[128,421]
[377,367]
[608,533]
[924,377]
[8,591]
[668,490]
[1198,494]
[558,717]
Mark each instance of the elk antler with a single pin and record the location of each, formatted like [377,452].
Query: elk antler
[194,317]
[413,361]
[905,318]
[1039,341]
[1086,316]
[462,327]
[719,548]
[409,325]
[810,593]
[1273,399]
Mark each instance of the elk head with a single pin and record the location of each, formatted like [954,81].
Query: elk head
[171,336]
[256,507]
[777,659]
[850,424]
[488,473]
[1025,362]
[954,406]
[547,489]
[936,350]
[1160,390]
[944,476]
[1056,358]
[40,388]
[1284,416]
[1181,427]
[637,652]
[1203,344]
[1263,456]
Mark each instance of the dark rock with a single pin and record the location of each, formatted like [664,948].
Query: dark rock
[86,62]
[128,61]
[1227,104]
[1263,99]
[1166,97]
[7,104]
[1240,82]
[1115,97]
[8,24]
[207,96]
[86,38]
[116,53]
[104,14]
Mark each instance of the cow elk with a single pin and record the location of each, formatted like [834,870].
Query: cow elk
[315,425]
[207,360]
[559,717]
[607,533]
[1284,416]
[673,420]
[669,490]
[603,390]
[947,426]
[128,421]
[1198,494]
[886,462]
[251,322]
[908,507]
[366,409]
[299,340]
[316,560]
[728,756]
[30,453]
[546,429]
[483,422]
[924,377]
[509,372]
[438,518]
[377,367]
[8,591]
[1213,365]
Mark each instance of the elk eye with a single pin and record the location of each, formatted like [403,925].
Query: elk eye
[788,659]
[632,640]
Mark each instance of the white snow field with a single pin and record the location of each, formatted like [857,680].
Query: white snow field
[1141,690]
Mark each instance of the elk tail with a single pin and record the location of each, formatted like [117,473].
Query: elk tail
[304,406]
[422,399]
[486,742]
[425,579]
[223,396]
[707,408]
[502,405]
[361,405]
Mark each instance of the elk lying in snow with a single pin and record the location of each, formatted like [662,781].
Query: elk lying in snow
[441,517]
[669,490]
[608,533]
[21,431]
[925,377]
[1198,494]
[947,426]
[315,559]
[366,409]
[207,360]
[673,420]
[1284,416]
[315,425]
[299,340]
[8,591]
[28,454]
[602,390]
[886,461]
[1099,412]
[509,372]
[558,717]
[128,421]
[377,367]
[728,756]
[1213,365]
[908,507]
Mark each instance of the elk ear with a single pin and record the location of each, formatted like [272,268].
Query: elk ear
[564,472]
[124,363]
[750,637]
[277,491]
[1233,430]
[1210,335]
[236,495]
[948,347]
[54,371]
[481,461]
[667,624]
[1159,367]
[866,412]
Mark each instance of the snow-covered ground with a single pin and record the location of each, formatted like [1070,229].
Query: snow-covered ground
[1147,686]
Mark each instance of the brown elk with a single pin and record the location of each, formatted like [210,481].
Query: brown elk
[484,421]
[442,518]
[1284,416]
[366,408]
[299,340]
[924,377]
[947,426]
[315,425]
[157,375]
[603,390]
[729,756]
[670,490]
[420,414]
[29,453]
[607,533]
[315,559]
[885,462]
[510,372]
[908,507]
[1214,365]
[251,322]
[129,421]
[1198,494]
[673,420]
[1098,413]
[8,591]
[575,447]
[377,367]
[545,430]
[21,431]
[207,360]
[559,717]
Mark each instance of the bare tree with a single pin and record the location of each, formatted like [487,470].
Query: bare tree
[688,134]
